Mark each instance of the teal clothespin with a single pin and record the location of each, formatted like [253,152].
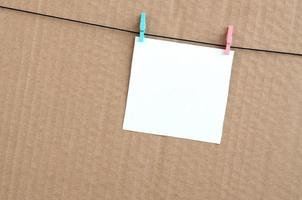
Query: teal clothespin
[142,27]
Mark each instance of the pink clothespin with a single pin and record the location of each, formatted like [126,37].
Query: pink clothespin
[229,39]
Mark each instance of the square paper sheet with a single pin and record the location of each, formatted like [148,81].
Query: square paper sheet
[178,90]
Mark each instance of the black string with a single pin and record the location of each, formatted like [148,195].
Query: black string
[153,35]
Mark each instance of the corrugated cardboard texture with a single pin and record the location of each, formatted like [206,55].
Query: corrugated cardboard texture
[63,89]
[264,24]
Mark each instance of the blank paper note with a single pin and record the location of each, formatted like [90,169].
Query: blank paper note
[178,90]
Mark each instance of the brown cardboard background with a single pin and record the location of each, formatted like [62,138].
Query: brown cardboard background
[63,88]
[263,24]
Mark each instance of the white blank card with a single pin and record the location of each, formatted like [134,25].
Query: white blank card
[178,90]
